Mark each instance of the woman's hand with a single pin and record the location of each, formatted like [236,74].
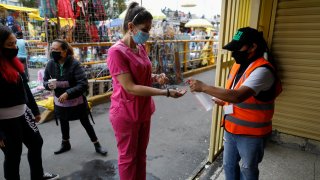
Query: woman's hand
[37,118]
[51,86]
[161,79]
[63,97]
[176,93]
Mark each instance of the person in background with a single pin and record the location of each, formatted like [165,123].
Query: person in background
[69,88]
[17,121]
[22,53]
[131,103]
[248,103]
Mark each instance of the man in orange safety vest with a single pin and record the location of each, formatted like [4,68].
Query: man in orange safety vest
[248,103]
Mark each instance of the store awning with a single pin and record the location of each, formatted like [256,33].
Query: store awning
[188,3]
[200,23]
[18,8]
[63,21]
[35,16]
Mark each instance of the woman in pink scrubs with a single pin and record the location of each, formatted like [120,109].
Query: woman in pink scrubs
[131,102]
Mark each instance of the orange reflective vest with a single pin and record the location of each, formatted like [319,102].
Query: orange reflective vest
[250,117]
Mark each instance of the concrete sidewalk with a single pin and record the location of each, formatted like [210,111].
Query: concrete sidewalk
[178,144]
[280,162]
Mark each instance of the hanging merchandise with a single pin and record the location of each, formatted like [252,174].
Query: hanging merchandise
[95,11]
[3,16]
[206,54]
[63,21]
[48,8]
[13,25]
[87,13]
[80,33]
[66,33]
[90,12]
[153,56]
[2,21]
[32,31]
[64,9]
[99,13]
[94,34]
[16,14]
[10,21]
[81,28]
[103,33]
[78,7]
[52,29]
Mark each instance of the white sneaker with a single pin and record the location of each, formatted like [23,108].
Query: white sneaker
[49,176]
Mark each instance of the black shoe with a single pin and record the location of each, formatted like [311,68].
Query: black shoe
[65,146]
[49,176]
[99,149]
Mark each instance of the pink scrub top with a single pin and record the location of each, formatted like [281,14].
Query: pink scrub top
[124,106]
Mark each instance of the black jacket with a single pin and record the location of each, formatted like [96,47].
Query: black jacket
[72,72]
[16,94]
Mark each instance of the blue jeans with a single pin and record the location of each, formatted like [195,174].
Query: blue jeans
[247,149]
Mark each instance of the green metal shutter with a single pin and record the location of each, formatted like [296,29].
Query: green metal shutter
[296,48]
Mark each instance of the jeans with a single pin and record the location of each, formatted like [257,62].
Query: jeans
[249,150]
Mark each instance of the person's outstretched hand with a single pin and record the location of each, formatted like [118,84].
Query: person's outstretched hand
[176,93]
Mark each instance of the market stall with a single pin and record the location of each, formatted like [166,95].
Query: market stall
[200,28]
[16,18]
[85,25]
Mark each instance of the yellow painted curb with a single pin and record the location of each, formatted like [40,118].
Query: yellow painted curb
[99,99]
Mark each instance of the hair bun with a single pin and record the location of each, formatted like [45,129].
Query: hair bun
[133,5]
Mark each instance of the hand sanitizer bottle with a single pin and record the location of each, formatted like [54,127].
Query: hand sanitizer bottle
[204,100]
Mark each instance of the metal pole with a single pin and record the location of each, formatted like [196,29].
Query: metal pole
[141,3]
[47,34]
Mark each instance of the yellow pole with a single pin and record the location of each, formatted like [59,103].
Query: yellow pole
[185,56]
[148,44]
[210,54]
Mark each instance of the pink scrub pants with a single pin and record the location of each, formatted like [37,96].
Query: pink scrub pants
[132,141]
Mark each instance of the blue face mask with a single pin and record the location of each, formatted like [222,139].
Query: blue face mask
[141,37]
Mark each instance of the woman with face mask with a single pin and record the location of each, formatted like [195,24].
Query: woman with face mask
[17,121]
[69,85]
[131,103]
